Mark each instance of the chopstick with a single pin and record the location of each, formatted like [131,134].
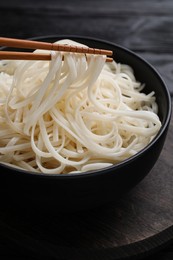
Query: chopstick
[28,44]
[12,55]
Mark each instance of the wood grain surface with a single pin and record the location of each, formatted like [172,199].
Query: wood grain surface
[140,223]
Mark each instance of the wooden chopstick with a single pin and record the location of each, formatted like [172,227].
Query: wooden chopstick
[12,55]
[28,44]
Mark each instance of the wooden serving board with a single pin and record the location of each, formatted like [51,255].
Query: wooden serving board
[138,224]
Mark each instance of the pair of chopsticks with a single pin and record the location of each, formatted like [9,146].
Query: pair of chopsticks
[28,44]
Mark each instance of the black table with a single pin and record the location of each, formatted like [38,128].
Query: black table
[142,26]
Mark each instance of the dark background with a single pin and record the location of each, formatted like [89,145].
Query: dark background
[145,27]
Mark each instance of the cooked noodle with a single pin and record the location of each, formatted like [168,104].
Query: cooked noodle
[74,114]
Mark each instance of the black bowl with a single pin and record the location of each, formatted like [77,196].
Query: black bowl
[90,189]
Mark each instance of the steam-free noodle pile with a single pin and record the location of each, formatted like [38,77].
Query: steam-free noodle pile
[72,115]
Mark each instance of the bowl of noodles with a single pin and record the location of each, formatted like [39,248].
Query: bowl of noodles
[77,132]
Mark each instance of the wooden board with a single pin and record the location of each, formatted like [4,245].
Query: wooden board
[138,224]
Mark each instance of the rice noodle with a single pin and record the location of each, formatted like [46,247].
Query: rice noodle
[73,115]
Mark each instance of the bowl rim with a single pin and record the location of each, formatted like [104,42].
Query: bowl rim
[108,169]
